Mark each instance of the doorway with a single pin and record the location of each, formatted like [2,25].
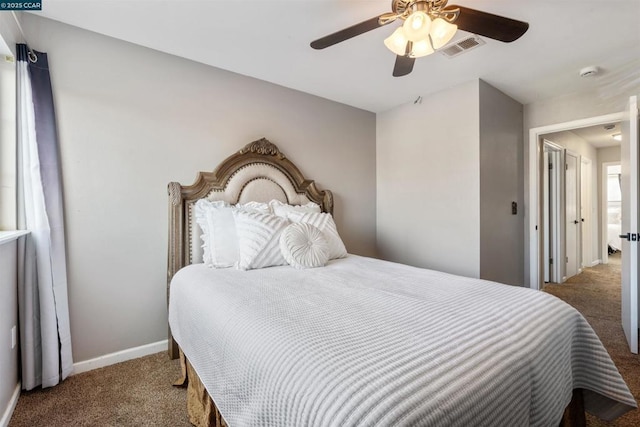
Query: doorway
[630,147]
[567,188]
[535,223]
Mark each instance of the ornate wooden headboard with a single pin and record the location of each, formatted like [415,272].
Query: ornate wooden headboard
[258,172]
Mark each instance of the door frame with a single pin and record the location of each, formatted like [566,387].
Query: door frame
[534,222]
[556,212]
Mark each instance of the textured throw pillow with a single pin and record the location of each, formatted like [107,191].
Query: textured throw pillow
[325,223]
[283,209]
[220,242]
[304,246]
[254,207]
[259,239]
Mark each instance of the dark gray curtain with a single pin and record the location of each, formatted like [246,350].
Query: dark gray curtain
[43,303]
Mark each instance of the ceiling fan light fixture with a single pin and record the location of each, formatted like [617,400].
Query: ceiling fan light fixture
[421,48]
[416,26]
[397,42]
[441,32]
[428,24]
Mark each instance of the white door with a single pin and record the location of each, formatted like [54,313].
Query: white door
[572,215]
[546,194]
[630,222]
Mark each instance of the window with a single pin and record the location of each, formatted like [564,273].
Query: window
[7,142]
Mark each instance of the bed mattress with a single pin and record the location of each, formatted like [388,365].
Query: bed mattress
[364,342]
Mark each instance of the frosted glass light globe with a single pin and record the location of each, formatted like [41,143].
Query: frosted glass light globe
[441,32]
[421,48]
[397,42]
[417,26]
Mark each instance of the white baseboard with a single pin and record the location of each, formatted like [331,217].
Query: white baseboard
[6,417]
[596,262]
[119,356]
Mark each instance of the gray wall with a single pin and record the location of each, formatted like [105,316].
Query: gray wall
[501,177]
[427,179]
[131,120]
[448,170]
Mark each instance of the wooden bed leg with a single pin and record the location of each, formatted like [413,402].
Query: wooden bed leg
[184,377]
[574,413]
[174,350]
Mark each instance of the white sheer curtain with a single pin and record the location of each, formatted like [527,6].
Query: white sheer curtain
[45,337]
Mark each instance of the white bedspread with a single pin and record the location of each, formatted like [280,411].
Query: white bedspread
[363,342]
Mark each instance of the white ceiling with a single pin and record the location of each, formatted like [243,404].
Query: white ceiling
[599,136]
[269,40]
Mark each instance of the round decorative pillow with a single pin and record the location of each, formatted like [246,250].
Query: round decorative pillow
[304,246]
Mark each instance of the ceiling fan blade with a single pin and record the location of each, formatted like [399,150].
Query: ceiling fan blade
[354,30]
[489,25]
[403,66]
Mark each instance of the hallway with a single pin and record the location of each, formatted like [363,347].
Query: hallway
[596,294]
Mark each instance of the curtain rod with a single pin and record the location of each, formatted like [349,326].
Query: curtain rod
[32,56]
[15,18]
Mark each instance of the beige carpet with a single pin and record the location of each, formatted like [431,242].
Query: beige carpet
[139,392]
[133,393]
[596,294]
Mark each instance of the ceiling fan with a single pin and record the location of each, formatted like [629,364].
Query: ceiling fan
[428,26]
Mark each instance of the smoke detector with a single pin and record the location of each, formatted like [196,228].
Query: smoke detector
[589,71]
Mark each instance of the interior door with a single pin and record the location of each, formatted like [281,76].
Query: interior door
[572,215]
[546,169]
[630,229]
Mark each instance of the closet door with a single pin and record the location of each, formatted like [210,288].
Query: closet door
[572,214]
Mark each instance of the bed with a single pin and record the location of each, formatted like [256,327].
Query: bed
[360,341]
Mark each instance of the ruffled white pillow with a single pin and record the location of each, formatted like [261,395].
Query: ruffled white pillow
[304,246]
[325,223]
[220,242]
[219,236]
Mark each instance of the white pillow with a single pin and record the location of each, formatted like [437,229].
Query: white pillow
[259,239]
[282,209]
[254,207]
[325,223]
[304,246]
[220,242]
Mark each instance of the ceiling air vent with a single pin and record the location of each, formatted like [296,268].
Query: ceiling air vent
[461,46]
